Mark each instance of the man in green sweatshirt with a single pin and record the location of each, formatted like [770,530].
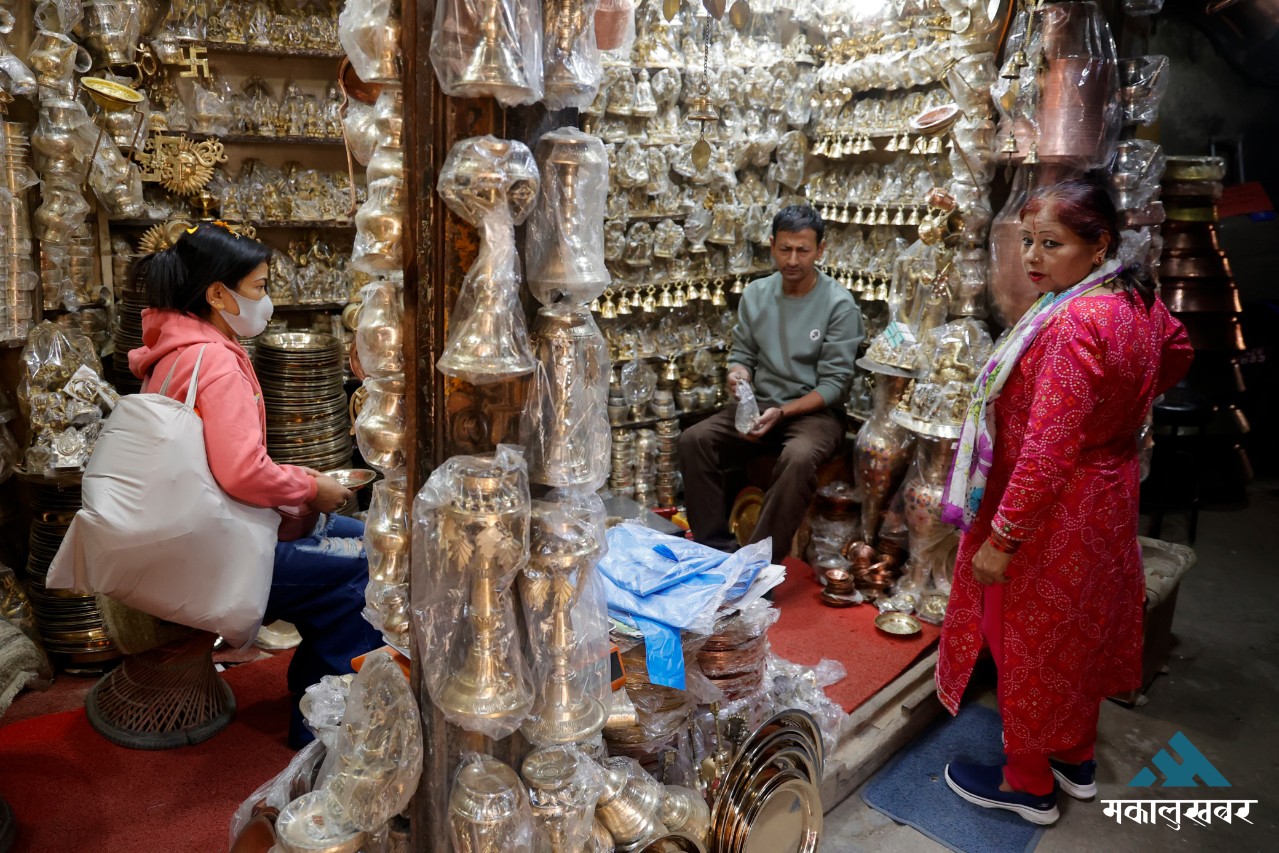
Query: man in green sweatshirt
[795,342]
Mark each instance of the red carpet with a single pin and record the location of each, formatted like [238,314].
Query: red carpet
[73,792]
[809,631]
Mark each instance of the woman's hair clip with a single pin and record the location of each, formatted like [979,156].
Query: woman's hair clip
[217,223]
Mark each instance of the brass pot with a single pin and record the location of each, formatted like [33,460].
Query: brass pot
[379,429]
[1214,332]
[488,809]
[386,532]
[882,452]
[379,336]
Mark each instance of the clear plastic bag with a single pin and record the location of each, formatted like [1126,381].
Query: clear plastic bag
[62,394]
[489,48]
[1136,172]
[746,416]
[16,608]
[489,807]
[564,427]
[471,539]
[290,783]
[571,58]
[564,248]
[564,786]
[1142,84]
[370,35]
[379,332]
[566,642]
[791,685]
[15,77]
[361,135]
[630,805]
[372,771]
[323,705]
[492,184]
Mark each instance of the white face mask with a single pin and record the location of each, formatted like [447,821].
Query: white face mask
[253,317]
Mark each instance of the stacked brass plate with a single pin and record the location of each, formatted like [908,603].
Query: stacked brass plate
[128,336]
[70,623]
[770,800]
[307,420]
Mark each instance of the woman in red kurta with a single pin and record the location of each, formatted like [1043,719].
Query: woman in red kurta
[1049,574]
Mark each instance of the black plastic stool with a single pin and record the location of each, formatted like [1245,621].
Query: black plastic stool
[1180,429]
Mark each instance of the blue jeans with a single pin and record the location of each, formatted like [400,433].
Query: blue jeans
[318,585]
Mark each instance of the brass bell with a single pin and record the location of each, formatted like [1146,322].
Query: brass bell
[664,301]
[671,372]
[819,149]
[637,299]
[920,146]
[595,306]
[846,280]
[649,303]
[739,286]
[883,216]
[717,298]
[1012,68]
[677,297]
[706,292]
[608,309]
[913,219]
[1032,157]
[892,144]
[899,218]
[701,109]
[934,145]
[858,216]
[1010,144]
[623,305]
[859,286]
[904,143]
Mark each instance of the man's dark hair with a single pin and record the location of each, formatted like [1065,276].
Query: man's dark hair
[796,218]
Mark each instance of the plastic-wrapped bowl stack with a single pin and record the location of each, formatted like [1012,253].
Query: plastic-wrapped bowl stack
[18,278]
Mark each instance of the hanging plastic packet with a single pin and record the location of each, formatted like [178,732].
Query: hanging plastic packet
[747,417]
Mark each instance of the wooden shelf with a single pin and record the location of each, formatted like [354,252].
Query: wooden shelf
[274,51]
[329,224]
[255,139]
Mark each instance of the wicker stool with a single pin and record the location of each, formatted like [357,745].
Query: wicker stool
[166,691]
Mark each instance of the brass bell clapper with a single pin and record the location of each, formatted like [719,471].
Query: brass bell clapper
[492,184]
[473,515]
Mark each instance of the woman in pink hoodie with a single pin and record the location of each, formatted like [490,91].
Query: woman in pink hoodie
[206,289]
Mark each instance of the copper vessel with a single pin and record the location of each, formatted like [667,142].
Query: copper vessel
[1197,266]
[1073,127]
[1184,238]
[1214,332]
[882,452]
[1199,294]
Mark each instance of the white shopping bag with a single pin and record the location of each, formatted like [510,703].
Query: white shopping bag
[157,532]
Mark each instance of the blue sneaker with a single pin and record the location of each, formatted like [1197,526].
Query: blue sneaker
[1078,780]
[979,785]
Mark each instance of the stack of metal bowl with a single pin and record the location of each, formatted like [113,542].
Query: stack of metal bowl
[18,277]
[622,474]
[1198,287]
[128,336]
[667,479]
[307,420]
[70,623]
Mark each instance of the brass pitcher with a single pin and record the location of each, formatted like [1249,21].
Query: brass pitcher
[488,809]
[565,252]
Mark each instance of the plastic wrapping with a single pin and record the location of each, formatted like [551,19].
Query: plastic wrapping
[685,810]
[746,416]
[567,642]
[386,608]
[934,544]
[630,804]
[564,246]
[110,30]
[380,425]
[954,354]
[615,26]
[386,532]
[564,786]
[1136,173]
[358,128]
[571,58]
[63,396]
[323,704]
[379,225]
[793,686]
[492,184]
[370,35]
[15,77]
[489,808]
[472,539]
[1079,114]
[564,427]
[1142,84]
[373,769]
[290,783]
[56,59]
[15,608]
[489,48]
[379,336]
[882,452]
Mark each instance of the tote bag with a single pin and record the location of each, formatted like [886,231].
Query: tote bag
[157,532]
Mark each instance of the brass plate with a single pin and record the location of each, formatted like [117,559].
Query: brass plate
[745,514]
[786,818]
[899,624]
[353,478]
